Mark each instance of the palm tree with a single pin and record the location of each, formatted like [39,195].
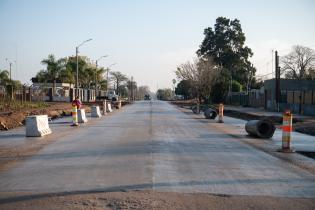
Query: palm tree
[100,78]
[54,68]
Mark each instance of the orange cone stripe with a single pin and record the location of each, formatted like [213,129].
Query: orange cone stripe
[287,128]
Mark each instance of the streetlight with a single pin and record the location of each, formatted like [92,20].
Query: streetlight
[96,72]
[107,74]
[77,58]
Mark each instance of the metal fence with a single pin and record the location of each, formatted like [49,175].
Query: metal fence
[14,99]
[298,101]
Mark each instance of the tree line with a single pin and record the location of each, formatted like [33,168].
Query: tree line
[223,64]
[90,76]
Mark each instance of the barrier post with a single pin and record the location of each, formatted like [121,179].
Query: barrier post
[74,116]
[119,104]
[221,109]
[198,107]
[286,132]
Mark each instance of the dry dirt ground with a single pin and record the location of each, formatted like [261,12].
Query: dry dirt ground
[14,118]
[150,200]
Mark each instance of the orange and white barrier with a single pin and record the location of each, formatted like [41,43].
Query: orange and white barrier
[221,110]
[74,113]
[286,132]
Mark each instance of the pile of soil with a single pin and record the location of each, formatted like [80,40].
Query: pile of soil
[151,200]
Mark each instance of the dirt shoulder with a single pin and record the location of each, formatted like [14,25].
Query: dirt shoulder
[150,200]
[13,153]
[15,118]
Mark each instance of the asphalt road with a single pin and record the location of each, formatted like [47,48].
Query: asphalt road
[153,145]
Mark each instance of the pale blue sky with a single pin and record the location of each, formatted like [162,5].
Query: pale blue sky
[147,39]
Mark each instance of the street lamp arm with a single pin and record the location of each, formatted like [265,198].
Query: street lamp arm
[83,42]
[104,56]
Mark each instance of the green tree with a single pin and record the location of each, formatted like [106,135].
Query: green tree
[164,94]
[236,86]
[226,44]
[221,87]
[4,77]
[71,70]
[185,89]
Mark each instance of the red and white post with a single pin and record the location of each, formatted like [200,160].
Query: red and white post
[286,132]
[221,110]
[74,116]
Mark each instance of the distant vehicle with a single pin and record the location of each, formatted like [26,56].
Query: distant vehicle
[111,95]
[147,97]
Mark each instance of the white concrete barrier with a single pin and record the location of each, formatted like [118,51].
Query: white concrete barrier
[81,116]
[104,107]
[37,125]
[119,104]
[109,107]
[95,111]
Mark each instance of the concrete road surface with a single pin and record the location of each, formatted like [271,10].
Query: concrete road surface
[153,145]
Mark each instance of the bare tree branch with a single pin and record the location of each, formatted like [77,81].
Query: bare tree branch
[299,63]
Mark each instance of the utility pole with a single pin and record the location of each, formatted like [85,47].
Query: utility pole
[277,89]
[11,84]
[95,73]
[77,65]
[131,91]
[77,70]
[271,62]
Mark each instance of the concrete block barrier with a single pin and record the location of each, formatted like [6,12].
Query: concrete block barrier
[260,128]
[109,107]
[95,111]
[81,116]
[104,107]
[37,126]
[119,104]
[210,114]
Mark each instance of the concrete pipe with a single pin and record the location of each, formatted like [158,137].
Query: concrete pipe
[210,114]
[260,128]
